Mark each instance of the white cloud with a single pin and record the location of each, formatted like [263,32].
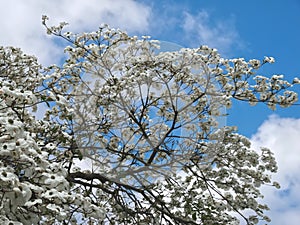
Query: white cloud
[202,29]
[282,135]
[20,21]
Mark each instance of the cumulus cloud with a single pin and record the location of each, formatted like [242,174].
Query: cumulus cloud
[282,135]
[204,30]
[20,21]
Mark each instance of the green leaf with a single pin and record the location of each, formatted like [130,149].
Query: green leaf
[80,156]
[194,216]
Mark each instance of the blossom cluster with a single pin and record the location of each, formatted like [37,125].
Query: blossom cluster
[33,183]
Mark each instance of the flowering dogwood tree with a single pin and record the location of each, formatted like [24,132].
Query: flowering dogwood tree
[145,124]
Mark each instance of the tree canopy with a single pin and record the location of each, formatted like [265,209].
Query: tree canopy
[122,134]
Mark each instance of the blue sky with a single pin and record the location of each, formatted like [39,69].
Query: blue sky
[248,29]
[254,29]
